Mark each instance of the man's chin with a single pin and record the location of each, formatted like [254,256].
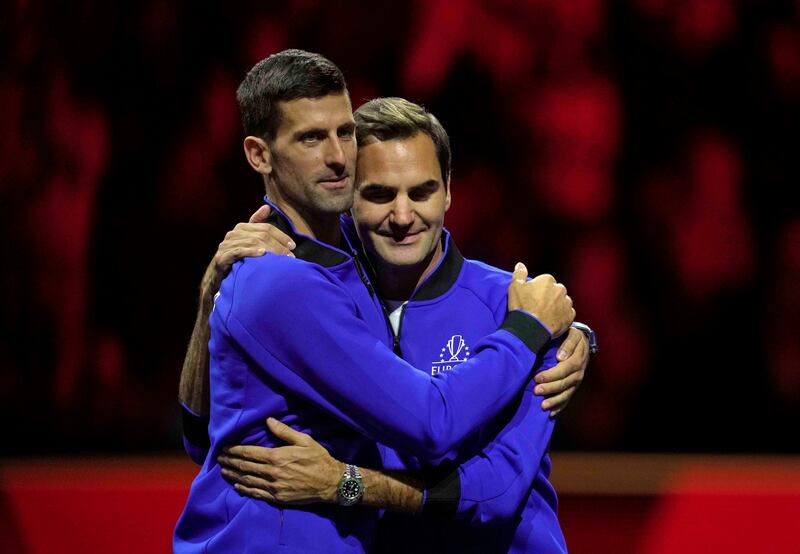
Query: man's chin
[337,203]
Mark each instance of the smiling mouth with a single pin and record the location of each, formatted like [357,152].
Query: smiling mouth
[408,238]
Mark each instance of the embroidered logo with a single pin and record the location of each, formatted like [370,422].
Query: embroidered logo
[453,353]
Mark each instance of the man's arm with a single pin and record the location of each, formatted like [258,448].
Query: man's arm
[193,392]
[256,238]
[245,240]
[488,487]
[354,376]
[303,472]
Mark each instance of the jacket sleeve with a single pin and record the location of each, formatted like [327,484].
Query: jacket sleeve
[497,481]
[314,343]
[195,435]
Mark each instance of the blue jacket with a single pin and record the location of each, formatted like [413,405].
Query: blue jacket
[305,341]
[491,493]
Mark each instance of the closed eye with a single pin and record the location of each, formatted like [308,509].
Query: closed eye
[378,194]
[422,192]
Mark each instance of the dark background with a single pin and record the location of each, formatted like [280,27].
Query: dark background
[644,152]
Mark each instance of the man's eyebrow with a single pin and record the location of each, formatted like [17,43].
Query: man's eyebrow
[430,184]
[309,131]
[375,187]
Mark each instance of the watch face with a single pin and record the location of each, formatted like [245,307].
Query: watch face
[350,489]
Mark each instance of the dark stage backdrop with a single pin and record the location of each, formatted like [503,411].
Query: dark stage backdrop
[642,151]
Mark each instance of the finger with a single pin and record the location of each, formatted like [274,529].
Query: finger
[281,238]
[568,374]
[520,273]
[549,390]
[569,344]
[245,479]
[261,214]
[267,239]
[557,403]
[263,470]
[234,254]
[250,453]
[575,362]
[287,434]
[258,494]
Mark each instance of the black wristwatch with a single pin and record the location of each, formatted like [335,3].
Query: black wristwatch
[590,336]
[351,486]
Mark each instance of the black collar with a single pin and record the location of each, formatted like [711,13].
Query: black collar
[438,282]
[443,276]
[307,248]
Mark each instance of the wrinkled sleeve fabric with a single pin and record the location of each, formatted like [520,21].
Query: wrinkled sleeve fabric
[498,480]
[315,345]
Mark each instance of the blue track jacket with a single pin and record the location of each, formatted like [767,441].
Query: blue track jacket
[491,493]
[305,340]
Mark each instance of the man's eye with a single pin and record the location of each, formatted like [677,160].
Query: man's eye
[420,196]
[310,138]
[346,133]
[378,196]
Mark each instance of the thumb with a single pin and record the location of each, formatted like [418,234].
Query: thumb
[261,214]
[520,272]
[286,433]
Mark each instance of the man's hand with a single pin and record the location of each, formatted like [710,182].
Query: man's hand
[252,239]
[300,473]
[560,382]
[542,297]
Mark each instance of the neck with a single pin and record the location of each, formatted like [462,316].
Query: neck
[323,227]
[399,283]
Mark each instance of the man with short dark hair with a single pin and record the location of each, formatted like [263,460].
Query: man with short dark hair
[304,340]
[496,497]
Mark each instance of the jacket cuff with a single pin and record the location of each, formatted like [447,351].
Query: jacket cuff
[528,329]
[442,491]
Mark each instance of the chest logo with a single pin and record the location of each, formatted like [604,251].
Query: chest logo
[453,353]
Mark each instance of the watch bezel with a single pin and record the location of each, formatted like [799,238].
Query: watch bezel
[351,477]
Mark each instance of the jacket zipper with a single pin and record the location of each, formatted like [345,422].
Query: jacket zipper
[395,336]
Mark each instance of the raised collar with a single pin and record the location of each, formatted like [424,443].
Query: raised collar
[307,248]
[444,275]
[438,282]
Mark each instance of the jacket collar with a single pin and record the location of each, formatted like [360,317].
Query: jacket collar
[444,275]
[438,282]
[307,248]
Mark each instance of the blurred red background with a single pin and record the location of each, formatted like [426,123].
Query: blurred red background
[643,151]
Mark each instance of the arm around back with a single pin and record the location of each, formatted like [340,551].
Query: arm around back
[315,344]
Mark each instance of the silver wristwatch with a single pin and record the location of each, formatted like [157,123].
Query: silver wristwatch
[351,486]
[590,336]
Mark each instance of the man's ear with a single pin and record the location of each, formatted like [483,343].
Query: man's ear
[258,155]
[447,198]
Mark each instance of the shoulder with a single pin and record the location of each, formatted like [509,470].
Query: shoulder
[274,281]
[487,282]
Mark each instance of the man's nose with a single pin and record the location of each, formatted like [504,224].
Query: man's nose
[402,212]
[335,155]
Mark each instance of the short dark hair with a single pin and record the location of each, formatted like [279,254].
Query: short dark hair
[397,118]
[287,75]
